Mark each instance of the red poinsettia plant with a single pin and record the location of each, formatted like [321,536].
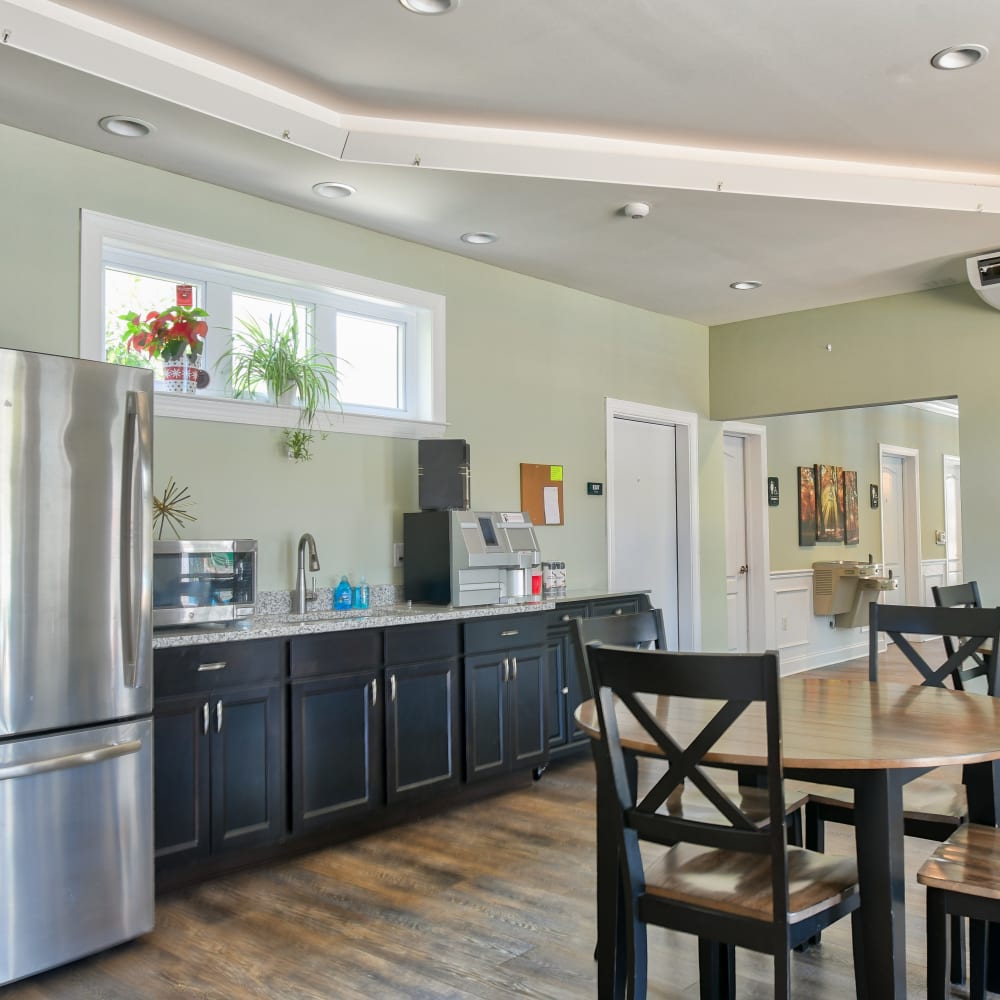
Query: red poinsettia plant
[169,334]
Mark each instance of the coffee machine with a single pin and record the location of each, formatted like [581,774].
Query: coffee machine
[464,557]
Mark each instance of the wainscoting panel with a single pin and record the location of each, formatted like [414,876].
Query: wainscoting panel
[806,640]
[933,573]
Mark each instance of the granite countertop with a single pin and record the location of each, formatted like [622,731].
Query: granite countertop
[265,626]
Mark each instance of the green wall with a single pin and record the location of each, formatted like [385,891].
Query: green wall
[850,439]
[529,365]
[926,345]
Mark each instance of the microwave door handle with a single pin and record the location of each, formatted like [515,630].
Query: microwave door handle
[135,533]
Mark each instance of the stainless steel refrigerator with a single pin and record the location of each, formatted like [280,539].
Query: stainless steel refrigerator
[76,797]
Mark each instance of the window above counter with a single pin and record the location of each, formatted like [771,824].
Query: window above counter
[387,341]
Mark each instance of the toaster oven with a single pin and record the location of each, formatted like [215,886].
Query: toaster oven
[203,582]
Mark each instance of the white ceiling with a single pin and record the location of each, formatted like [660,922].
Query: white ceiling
[808,146]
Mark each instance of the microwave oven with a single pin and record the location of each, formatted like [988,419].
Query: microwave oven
[203,582]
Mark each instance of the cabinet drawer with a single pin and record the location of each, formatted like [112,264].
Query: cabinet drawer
[412,643]
[335,652]
[618,606]
[561,617]
[193,669]
[503,633]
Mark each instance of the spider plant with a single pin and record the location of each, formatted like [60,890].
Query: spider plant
[279,358]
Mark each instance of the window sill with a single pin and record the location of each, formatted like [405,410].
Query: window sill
[227,411]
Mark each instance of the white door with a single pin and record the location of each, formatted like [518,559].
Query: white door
[953,519]
[894,526]
[737,591]
[644,515]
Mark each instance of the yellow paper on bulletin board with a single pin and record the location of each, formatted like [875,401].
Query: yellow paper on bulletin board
[542,493]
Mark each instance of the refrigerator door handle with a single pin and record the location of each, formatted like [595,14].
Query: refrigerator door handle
[135,540]
[65,761]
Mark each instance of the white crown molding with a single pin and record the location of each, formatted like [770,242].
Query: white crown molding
[107,51]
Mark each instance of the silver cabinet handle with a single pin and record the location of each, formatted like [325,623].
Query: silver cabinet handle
[618,611]
[218,716]
[374,691]
[566,618]
[565,690]
[392,687]
[510,632]
[218,665]
[92,756]
[506,670]
[205,715]
[513,668]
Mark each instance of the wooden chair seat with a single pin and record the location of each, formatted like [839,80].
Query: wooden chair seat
[963,880]
[742,885]
[968,862]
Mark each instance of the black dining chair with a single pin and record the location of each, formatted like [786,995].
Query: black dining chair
[933,807]
[963,880]
[729,880]
[958,595]
[645,630]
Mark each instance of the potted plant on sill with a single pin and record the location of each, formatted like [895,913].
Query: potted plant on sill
[279,359]
[176,336]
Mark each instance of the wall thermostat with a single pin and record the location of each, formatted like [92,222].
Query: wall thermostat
[595,489]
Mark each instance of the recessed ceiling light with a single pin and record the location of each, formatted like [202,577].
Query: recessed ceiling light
[127,128]
[745,286]
[959,56]
[334,189]
[430,6]
[479,237]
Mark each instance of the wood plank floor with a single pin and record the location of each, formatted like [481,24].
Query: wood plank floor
[492,900]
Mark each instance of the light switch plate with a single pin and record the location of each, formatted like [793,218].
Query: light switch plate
[397,553]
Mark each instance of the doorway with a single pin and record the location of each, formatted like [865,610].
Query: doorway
[953,520]
[652,512]
[748,560]
[900,505]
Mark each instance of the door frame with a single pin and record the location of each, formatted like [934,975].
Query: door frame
[685,426]
[911,524]
[947,462]
[760,612]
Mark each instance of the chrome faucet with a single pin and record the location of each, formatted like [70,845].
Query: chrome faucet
[301,596]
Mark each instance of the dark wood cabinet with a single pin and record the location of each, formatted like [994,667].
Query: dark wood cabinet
[564,688]
[181,776]
[218,759]
[421,728]
[263,746]
[337,760]
[374,720]
[505,696]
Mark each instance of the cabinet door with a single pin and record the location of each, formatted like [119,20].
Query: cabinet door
[181,780]
[555,684]
[574,692]
[526,694]
[485,716]
[421,728]
[336,749]
[247,799]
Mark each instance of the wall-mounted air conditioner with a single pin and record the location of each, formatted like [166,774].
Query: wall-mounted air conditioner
[984,276]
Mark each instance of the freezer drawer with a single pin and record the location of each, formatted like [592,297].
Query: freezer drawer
[76,868]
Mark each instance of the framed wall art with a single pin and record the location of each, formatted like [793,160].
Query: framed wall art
[851,520]
[829,504]
[807,505]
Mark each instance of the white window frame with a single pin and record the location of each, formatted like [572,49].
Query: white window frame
[424,363]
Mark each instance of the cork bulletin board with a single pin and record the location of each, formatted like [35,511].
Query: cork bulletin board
[542,493]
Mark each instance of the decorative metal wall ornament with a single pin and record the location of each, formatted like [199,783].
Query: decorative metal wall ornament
[172,508]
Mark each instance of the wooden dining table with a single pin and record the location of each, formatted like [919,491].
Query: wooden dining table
[871,737]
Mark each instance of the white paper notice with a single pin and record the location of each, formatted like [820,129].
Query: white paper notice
[551,504]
